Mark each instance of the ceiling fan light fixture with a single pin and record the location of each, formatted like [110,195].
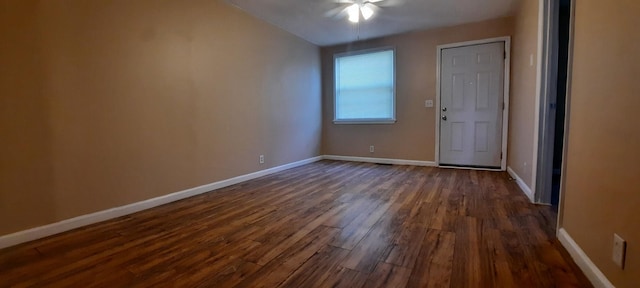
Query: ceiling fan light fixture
[354,13]
[367,12]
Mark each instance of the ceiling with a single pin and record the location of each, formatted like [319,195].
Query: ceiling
[307,19]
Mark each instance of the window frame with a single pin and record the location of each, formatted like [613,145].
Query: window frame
[391,120]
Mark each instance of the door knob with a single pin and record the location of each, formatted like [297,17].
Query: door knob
[444,117]
[444,109]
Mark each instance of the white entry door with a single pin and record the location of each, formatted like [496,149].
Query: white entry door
[471,104]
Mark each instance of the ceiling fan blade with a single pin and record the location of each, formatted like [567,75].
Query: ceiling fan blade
[373,7]
[337,12]
[387,3]
[343,1]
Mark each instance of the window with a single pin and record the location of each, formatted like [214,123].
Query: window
[365,87]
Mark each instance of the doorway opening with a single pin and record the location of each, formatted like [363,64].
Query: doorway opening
[554,102]
[564,22]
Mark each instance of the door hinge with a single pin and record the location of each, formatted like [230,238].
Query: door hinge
[504,55]
[500,155]
[503,105]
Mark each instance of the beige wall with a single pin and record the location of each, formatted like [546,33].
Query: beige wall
[602,194]
[413,136]
[26,161]
[105,103]
[523,90]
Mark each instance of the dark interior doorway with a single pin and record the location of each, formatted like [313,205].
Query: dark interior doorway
[561,100]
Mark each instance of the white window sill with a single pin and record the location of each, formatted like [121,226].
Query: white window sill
[364,121]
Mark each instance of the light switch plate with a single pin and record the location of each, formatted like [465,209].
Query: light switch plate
[428,103]
[531,60]
[619,250]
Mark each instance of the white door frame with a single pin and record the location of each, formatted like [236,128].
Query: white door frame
[547,22]
[505,111]
[542,89]
[546,94]
[545,128]
[565,147]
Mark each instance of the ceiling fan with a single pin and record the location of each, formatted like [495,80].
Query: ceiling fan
[359,9]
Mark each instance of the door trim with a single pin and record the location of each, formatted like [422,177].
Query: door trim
[505,99]
[545,128]
[565,147]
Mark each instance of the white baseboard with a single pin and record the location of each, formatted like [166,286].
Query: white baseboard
[381,160]
[523,186]
[590,269]
[88,219]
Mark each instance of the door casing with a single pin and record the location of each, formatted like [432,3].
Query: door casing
[505,111]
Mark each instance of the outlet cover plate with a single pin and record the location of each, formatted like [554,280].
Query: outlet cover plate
[428,103]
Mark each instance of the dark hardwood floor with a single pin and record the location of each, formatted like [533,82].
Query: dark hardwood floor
[326,224]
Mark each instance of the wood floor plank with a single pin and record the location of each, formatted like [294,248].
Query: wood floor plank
[388,275]
[435,262]
[342,277]
[497,258]
[278,270]
[326,224]
[378,242]
[405,250]
[289,241]
[317,269]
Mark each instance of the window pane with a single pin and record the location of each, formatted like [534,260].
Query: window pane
[364,86]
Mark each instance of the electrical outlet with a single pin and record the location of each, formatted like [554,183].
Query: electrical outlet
[261,159]
[428,103]
[371,149]
[619,250]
